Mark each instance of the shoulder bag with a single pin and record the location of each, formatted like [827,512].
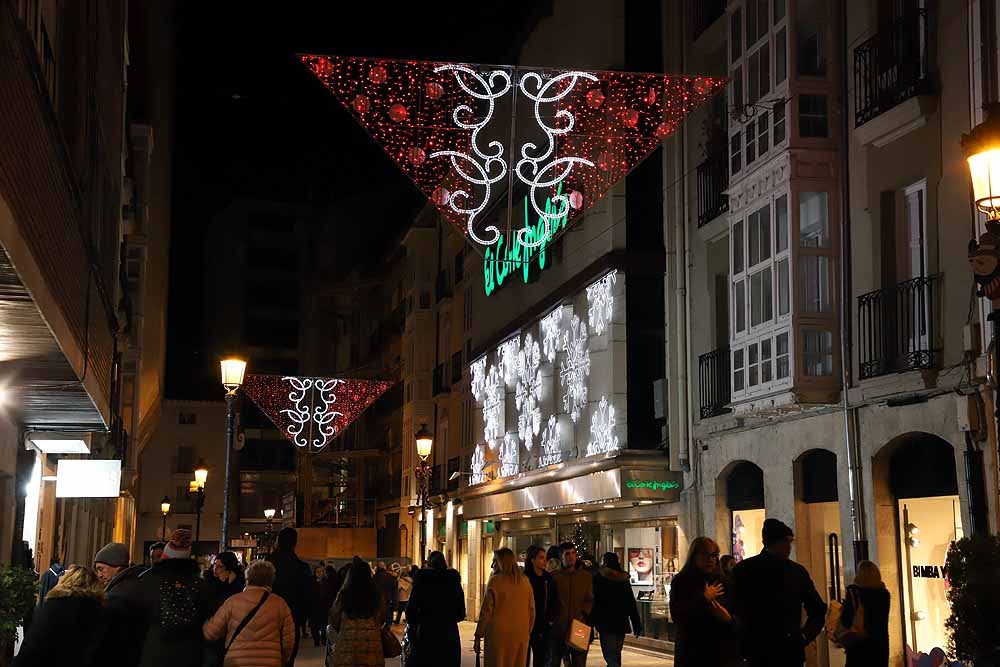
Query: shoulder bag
[246,621]
[848,637]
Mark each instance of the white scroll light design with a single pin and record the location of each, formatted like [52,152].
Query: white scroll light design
[488,165]
[551,445]
[478,465]
[551,338]
[601,299]
[529,392]
[602,429]
[535,168]
[493,396]
[508,358]
[510,461]
[479,378]
[311,422]
[575,368]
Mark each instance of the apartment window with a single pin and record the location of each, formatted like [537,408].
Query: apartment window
[761,297]
[187,418]
[751,147]
[753,368]
[185,459]
[782,367]
[817,355]
[459,266]
[735,36]
[813,117]
[814,281]
[757,20]
[467,319]
[759,247]
[736,88]
[765,361]
[781,253]
[740,305]
[736,152]
[762,132]
[779,10]
[811,48]
[780,56]
[759,74]
[814,221]
[779,123]
[738,372]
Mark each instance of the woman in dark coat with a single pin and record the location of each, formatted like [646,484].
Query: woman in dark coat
[437,605]
[614,608]
[69,628]
[869,590]
[705,635]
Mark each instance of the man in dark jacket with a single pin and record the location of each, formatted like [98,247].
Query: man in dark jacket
[126,630]
[770,592]
[49,579]
[175,603]
[388,588]
[546,603]
[436,607]
[576,602]
[614,608]
[293,582]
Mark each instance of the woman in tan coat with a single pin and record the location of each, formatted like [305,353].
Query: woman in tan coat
[267,640]
[507,615]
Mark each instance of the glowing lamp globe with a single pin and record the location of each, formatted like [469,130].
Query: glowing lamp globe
[440,196]
[425,441]
[576,199]
[269,514]
[201,473]
[595,98]
[434,90]
[397,113]
[416,155]
[982,151]
[377,74]
[165,506]
[233,371]
[360,104]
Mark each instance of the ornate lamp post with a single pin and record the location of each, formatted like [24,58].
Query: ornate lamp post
[196,490]
[269,516]
[425,442]
[233,371]
[164,510]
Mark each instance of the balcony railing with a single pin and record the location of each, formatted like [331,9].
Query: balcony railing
[713,179]
[713,378]
[898,328]
[704,13]
[891,67]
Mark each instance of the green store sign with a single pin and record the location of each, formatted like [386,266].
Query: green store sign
[506,258]
[652,485]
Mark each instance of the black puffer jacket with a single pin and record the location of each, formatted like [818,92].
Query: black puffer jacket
[66,631]
[614,604]
[437,605]
[166,644]
[127,630]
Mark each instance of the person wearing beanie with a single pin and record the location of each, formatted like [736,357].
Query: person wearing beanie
[175,602]
[770,591]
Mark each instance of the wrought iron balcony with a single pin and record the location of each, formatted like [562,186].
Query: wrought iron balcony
[898,328]
[713,179]
[713,379]
[891,67]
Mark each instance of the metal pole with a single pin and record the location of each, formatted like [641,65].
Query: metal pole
[163,532]
[197,517]
[230,419]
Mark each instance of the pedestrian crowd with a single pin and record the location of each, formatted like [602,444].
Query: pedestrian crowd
[544,614]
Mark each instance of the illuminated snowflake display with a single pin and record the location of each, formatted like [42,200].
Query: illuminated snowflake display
[575,368]
[477,465]
[493,398]
[510,456]
[529,392]
[551,444]
[602,429]
[508,356]
[479,378]
[601,301]
[551,338]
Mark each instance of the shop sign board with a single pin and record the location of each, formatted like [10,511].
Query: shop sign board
[651,484]
[88,478]
[288,503]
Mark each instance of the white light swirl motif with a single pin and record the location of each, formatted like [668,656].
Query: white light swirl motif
[551,339]
[529,392]
[508,354]
[551,445]
[311,424]
[493,407]
[575,369]
[602,429]
[479,378]
[488,165]
[510,462]
[535,168]
[601,298]
[478,465]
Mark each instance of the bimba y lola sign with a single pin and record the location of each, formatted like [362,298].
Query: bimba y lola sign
[510,257]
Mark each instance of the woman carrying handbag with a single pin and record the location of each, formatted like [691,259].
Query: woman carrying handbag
[863,631]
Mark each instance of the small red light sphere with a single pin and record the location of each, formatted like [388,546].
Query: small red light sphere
[595,98]
[434,90]
[630,117]
[323,67]
[377,75]
[604,161]
[360,104]
[397,113]
[663,129]
[416,155]
[576,199]
[440,196]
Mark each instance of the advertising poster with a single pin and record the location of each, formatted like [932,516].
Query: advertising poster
[642,549]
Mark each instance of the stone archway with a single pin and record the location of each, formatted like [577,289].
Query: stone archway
[740,499]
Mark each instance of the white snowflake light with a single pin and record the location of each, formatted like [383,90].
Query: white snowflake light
[601,299]
[551,339]
[478,465]
[493,397]
[510,456]
[507,354]
[479,378]
[575,368]
[529,392]
[551,445]
[602,429]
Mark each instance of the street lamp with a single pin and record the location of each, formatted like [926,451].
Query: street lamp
[196,492]
[425,442]
[164,510]
[269,515]
[233,370]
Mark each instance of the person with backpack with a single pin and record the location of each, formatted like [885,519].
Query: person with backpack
[864,619]
[257,627]
[174,602]
[293,582]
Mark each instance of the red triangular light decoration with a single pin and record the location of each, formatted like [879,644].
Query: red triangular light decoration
[577,133]
[312,411]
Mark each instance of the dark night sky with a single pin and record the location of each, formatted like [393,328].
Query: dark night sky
[251,122]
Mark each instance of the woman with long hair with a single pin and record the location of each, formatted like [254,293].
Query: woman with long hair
[546,603]
[868,591]
[615,609]
[705,636]
[70,627]
[507,615]
[436,606]
[357,617]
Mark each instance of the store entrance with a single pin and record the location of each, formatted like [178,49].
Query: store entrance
[745,500]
